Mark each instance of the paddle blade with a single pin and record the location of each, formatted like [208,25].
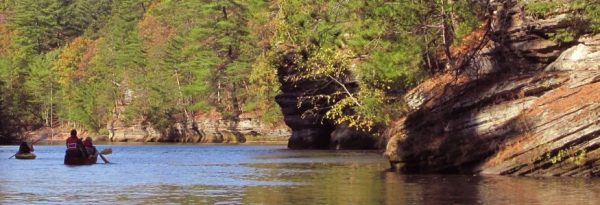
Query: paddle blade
[106,151]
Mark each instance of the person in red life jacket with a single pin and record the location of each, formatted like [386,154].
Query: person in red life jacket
[72,141]
[25,148]
[75,146]
[90,148]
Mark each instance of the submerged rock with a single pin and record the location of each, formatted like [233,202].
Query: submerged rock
[524,106]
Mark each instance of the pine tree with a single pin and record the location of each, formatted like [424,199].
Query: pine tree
[222,61]
[94,14]
[41,85]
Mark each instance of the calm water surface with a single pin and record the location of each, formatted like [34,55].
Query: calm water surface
[261,174]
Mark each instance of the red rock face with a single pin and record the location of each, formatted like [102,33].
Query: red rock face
[524,106]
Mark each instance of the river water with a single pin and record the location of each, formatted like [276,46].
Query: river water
[260,174]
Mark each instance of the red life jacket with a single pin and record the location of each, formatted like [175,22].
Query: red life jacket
[72,143]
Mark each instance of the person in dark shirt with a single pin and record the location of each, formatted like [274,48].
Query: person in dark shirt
[89,147]
[25,148]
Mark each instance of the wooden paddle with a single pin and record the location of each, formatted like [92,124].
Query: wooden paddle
[105,151]
[44,136]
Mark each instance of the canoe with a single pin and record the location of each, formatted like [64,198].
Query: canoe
[25,156]
[76,160]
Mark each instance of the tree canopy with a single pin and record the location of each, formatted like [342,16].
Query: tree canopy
[88,62]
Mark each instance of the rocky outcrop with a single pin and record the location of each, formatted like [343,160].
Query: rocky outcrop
[525,105]
[310,130]
[203,131]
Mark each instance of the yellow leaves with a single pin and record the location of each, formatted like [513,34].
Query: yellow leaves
[320,63]
[328,64]
[263,80]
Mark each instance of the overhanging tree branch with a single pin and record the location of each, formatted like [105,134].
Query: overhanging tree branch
[345,90]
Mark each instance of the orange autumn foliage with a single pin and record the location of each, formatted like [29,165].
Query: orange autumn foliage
[69,64]
[5,39]
[155,35]
[87,56]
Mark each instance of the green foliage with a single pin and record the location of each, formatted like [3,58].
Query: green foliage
[540,8]
[6,4]
[42,25]
[587,10]
[384,45]
[563,36]
[217,57]
[40,83]
[592,12]
[4,68]
[467,18]
[155,61]
[316,30]
[94,14]
[264,84]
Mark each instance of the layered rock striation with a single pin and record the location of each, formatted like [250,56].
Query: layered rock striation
[203,130]
[525,105]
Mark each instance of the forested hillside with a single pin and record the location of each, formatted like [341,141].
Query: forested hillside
[85,62]
[76,61]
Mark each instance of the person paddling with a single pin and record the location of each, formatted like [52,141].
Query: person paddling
[89,147]
[25,148]
[75,147]
[25,151]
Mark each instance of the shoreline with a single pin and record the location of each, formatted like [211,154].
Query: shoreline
[59,142]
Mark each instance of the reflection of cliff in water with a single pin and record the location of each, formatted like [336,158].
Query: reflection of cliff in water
[461,189]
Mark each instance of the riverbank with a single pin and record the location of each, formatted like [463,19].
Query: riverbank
[250,141]
[207,131]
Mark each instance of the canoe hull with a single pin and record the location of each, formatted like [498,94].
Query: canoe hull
[72,158]
[25,156]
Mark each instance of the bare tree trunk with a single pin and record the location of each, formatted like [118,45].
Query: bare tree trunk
[453,16]
[182,99]
[345,90]
[51,113]
[447,37]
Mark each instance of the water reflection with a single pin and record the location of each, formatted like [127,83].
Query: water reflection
[226,174]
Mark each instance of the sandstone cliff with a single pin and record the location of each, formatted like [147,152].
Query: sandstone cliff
[206,130]
[525,105]
[313,131]
[203,131]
